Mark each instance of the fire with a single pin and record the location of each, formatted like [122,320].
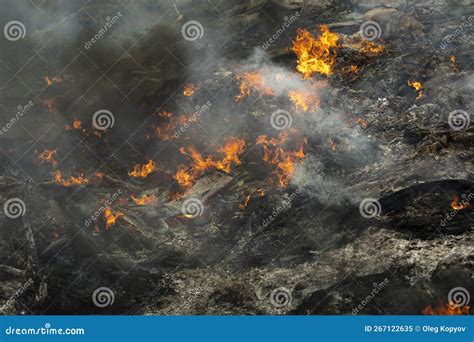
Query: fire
[76,124]
[446,310]
[261,192]
[48,156]
[370,48]
[231,151]
[303,100]
[285,161]
[245,202]
[315,55]
[455,66]
[362,122]
[252,81]
[52,80]
[79,180]
[418,87]
[142,171]
[110,218]
[459,206]
[189,89]
[145,200]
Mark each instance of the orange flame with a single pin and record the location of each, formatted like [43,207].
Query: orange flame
[315,55]
[303,100]
[231,150]
[110,217]
[52,80]
[189,89]
[245,202]
[252,81]
[456,205]
[142,171]
[79,180]
[284,160]
[48,156]
[446,310]
[145,200]
[418,87]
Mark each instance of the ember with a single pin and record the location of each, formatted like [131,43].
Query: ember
[189,89]
[418,87]
[110,218]
[48,156]
[252,81]
[79,180]
[447,310]
[52,80]
[145,200]
[456,205]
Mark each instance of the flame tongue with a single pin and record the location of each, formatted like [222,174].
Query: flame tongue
[456,205]
[232,150]
[447,310]
[79,180]
[315,55]
[284,161]
[142,171]
[48,156]
[110,218]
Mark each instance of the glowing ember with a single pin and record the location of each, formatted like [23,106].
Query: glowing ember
[446,310]
[52,80]
[145,200]
[261,192]
[454,64]
[76,124]
[110,218]
[48,156]
[285,161]
[456,205]
[231,151]
[418,87]
[362,122]
[189,89]
[252,81]
[370,48]
[315,55]
[79,180]
[142,171]
[245,202]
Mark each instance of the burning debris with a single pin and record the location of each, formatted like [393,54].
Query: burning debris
[305,165]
